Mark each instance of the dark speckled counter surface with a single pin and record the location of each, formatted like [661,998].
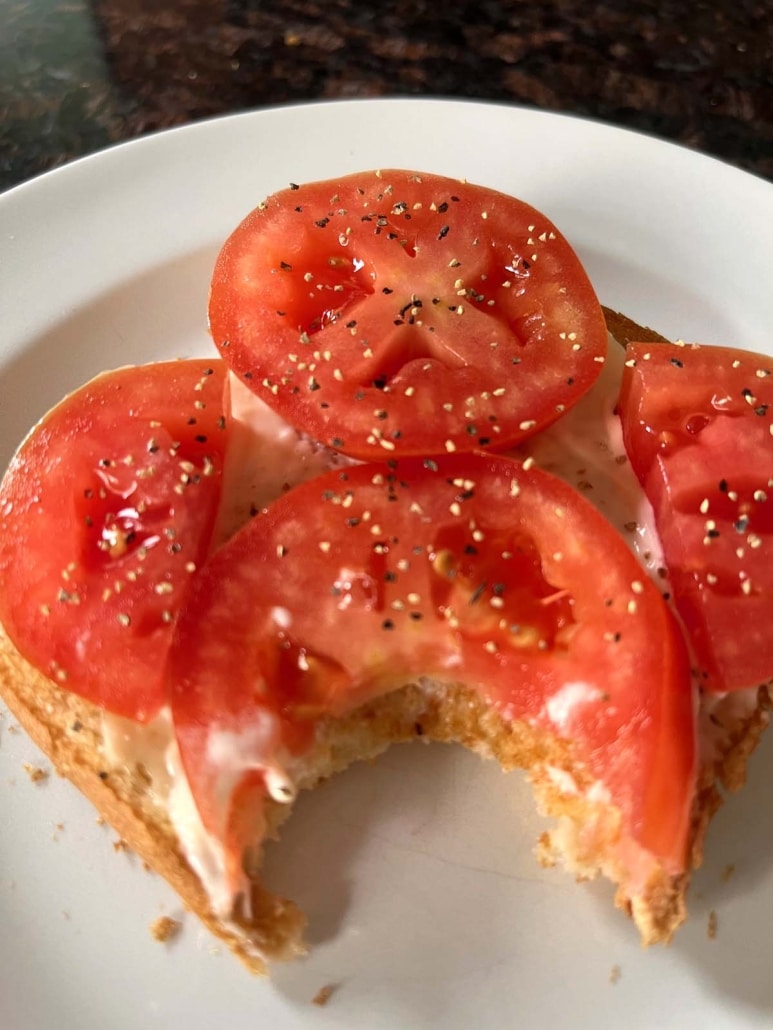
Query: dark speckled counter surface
[77,76]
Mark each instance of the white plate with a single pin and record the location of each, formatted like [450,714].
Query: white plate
[427,908]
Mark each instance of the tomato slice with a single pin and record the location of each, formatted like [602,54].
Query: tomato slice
[697,427]
[394,313]
[466,569]
[105,511]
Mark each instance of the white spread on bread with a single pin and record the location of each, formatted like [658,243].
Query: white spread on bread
[585,448]
[266,456]
[141,745]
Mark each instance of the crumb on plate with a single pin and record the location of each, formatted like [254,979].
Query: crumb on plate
[35,773]
[164,928]
[324,994]
[712,927]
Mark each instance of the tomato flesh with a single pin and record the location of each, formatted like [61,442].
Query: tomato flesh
[394,313]
[105,511]
[466,569]
[697,427]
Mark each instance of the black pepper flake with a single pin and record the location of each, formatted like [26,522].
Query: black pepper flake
[430,465]
[352,324]
[390,577]
[484,441]
[714,533]
[248,375]
[471,429]
[415,616]
[385,289]
[444,232]
[442,208]
[337,442]
[477,593]
[677,363]
[281,313]
[761,410]
[741,524]
[387,624]
[200,438]
[313,384]
[299,209]
[455,200]
[285,267]
[322,222]
[470,549]
[723,485]
[351,523]
[294,186]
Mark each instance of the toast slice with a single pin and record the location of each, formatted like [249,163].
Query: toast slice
[135,803]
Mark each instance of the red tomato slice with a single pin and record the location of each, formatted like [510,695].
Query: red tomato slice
[697,427]
[389,312]
[464,569]
[105,511]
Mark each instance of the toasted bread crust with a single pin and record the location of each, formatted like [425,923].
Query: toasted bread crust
[69,730]
[625,330]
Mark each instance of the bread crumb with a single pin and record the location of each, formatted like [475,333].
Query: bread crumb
[13,728]
[35,773]
[545,852]
[100,820]
[614,974]
[120,845]
[727,872]
[164,928]
[324,994]
[712,927]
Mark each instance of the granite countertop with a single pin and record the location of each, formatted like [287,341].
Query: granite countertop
[77,76]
